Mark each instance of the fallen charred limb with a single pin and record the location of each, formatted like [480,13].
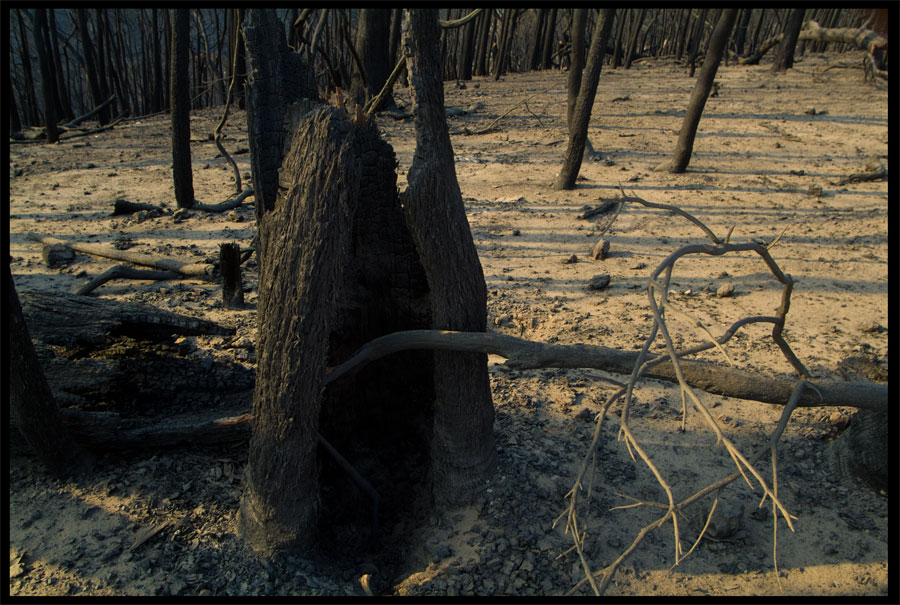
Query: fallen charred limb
[71,321]
[125,207]
[226,205]
[164,264]
[525,354]
[124,272]
[520,354]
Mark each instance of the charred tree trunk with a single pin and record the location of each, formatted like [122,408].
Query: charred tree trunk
[463,447]
[685,144]
[278,77]
[372,39]
[48,78]
[549,41]
[180,102]
[31,403]
[861,451]
[573,81]
[784,55]
[304,239]
[633,37]
[586,94]
[338,268]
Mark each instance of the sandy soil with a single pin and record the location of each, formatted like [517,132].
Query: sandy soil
[768,157]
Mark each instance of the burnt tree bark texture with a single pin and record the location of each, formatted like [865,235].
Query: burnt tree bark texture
[230,266]
[277,77]
[31,403]
[463,444]
[685,145]
[861,452]
[372,40]
[304,240]
[784,54]
[582,114]
[180,102]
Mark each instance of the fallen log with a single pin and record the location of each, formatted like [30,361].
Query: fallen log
[525,354]
[164,264]
[71,321]
[226,205]
[861,38]
[121,206]
[520,354]
[124,272]
[89,114]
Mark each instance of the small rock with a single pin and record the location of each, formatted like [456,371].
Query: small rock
[839,420]
[871,327]
[725,290]
[57,254]
[598,282]
[601,250]
[815,191]
[585,415]
[516,232]
[442,552]
[571,260]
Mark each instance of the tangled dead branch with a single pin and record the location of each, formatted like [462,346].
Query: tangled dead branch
[657,290]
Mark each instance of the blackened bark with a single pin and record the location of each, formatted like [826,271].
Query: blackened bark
[90,65]
[573,80]
[304,240]
[633,37]
[463,445]
[468,50]
[278,77]
[549,41]
[157,84]
[180,102]
[586,93]
[31,403]
[685,144]
[48,78]
[861,453]
[372,47]
[230,267]
[784,55]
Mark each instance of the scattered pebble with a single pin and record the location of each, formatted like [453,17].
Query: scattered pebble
[599,282]
[725,290]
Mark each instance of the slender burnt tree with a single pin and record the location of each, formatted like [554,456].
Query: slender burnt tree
[784,54]
[48,78]
[586,93]
[180,103]
[717,42]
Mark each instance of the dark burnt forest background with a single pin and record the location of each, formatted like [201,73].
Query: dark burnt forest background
[118,59]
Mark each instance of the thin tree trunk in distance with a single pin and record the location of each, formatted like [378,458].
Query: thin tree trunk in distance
[463,443]
[784,55]
[586,93]
[180,102]
[685,144]
[31,403]
[48,79]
